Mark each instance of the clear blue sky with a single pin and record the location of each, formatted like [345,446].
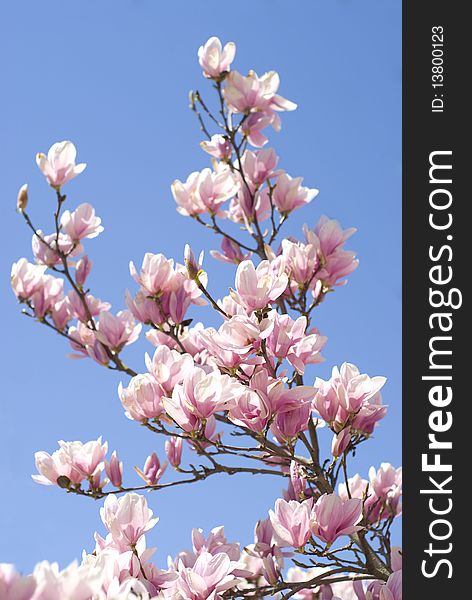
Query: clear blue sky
[113,76]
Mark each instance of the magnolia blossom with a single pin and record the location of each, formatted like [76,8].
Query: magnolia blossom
[156,272]
[208,578]
[78,582]
[142,398]
[114,470]
[250,411]
[202,394]
[214,59]
[231,252]
[81,223]
[386,483]
[256,287]
[46,248]
[49,292]
[74,462]
[87,306]
[259,165]
[117,331]
[253,93]
[218,146]
[59,165]
[291,522]
[289,194]
[332,517]
[13,586]
[152,470]
[173,449]
[127,518]
[26,278]
[287,339]
[345,394]
[235,341]
[253,125]
[82,270]
[168,367]
[205,191]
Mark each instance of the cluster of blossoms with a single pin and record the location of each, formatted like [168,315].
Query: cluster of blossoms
[245,376]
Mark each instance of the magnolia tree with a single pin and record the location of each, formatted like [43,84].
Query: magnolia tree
[328,536]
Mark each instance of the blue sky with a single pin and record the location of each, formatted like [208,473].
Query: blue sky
[114,76]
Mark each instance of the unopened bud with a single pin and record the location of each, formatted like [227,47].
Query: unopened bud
[22,198]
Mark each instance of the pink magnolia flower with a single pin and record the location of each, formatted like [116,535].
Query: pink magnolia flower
[94,305]
[14,586]
[185,197]
[393,589]
[81,223]
[332,517]
[214,59]
[258,287]
[62,313]
[386,482]
[127,518]
[235,341]
[213,188]
[231,252]
[253,125]
[279,398]
[152,470]
[346,393]
[215,543]
[51,467]
[301,261]
[259,165]
[173,449]
[289,194]
[168,367]
[114,470]
[45,248]
[82,270]
[218,146]
[253,93]
[307,351]
[117,331]
[210,576]
[288,424]
[249,204]
[203,394]
[328,235]
[250,411]
[85,458]
[59,165]
[340,442]
[369,415]
[26,278]
[47,295]
[285,333]
[179,411]
[291,522]
[144,309]
[156,273]
[77,582]
[142,399]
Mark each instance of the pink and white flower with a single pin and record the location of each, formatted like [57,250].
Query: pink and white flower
[59,165]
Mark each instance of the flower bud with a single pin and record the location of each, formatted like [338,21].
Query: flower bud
[22,198]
